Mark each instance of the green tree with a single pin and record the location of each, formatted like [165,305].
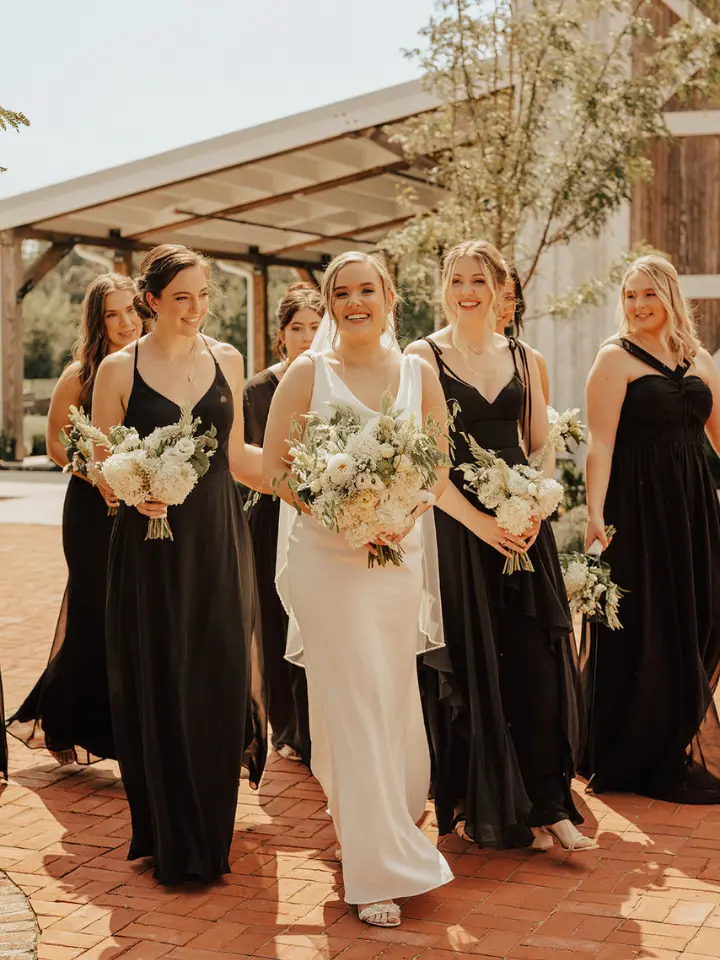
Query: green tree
[11,120]
[542,128]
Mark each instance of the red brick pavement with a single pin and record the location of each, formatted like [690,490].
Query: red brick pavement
[651,891]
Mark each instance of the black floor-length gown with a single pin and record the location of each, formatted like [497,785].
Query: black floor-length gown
[185,683]
[653,726]
[285,683]
[68,709]
[505,723]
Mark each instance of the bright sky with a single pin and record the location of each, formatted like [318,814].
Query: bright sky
[104,82]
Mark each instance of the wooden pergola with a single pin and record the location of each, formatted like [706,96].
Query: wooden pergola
[292,193]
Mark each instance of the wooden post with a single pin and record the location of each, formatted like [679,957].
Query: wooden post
[306,276]
[12,351]
[260,318]
[122,262]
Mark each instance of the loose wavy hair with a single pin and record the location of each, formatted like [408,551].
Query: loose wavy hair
[680,335]
[92,346]
[492,267]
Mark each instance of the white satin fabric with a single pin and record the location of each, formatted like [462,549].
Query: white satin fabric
[357,632]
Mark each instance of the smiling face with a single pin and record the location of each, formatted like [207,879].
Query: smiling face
[643,308]
[359,302]
[122,324]
[469,296]
[297,336]
[183,304]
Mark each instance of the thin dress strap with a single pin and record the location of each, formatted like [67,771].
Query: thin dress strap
[518,349]
[210,349]
[137,351]
[644,357]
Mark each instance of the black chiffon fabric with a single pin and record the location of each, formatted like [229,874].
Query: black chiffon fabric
[68,709]
[504,722]
[654,727]
[286,684]
[185,677]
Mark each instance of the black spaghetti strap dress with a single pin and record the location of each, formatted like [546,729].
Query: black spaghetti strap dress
[68,709]
[653,725]
[504,723]
[285,683]
[185,680]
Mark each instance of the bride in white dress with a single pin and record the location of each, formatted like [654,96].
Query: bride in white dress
[357,631]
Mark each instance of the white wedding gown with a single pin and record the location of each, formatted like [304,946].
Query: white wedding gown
[356,631]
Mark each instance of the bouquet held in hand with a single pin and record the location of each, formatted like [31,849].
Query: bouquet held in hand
[590,589]
[78,447]
[164,466]
[518,496]
[366,480]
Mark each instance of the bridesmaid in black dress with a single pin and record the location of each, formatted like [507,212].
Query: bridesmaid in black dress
[511,320]
[298,317]
[185,683]
[504,721]
[68,710]
[652,394]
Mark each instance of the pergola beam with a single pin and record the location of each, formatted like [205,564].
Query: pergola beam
[42,265]
[356,235]
[419,160]
[308,190]
[128,244]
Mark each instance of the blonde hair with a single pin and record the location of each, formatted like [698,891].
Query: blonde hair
[680,335]
[356,256]
[493,268]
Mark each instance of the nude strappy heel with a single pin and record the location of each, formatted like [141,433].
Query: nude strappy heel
[381,914]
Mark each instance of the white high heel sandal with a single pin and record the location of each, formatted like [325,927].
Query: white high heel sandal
[576,843]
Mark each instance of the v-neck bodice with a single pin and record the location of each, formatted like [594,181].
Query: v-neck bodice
[148,408]
[329,389]
[494,425]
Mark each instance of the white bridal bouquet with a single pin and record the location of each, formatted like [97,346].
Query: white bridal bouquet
[365,480]
[518,496]
[163,466]
[591,592]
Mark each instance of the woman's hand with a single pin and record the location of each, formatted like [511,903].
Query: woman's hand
[531,534]
[96,478]
[489,530]
[595,530]
[152,508]
[384,539]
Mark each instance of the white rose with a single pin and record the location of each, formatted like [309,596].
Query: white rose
[387,450]
[315,486]
[362,482]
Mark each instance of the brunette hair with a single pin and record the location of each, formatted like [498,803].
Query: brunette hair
[298,296]
[520,304]
[681,333]
[492,266]
[91,347]
[159,267]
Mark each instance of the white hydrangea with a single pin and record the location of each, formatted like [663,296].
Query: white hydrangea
[576,575]
[129,474]
[173,481]
[515,515]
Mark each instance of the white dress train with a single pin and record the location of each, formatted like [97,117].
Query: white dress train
[356,632]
